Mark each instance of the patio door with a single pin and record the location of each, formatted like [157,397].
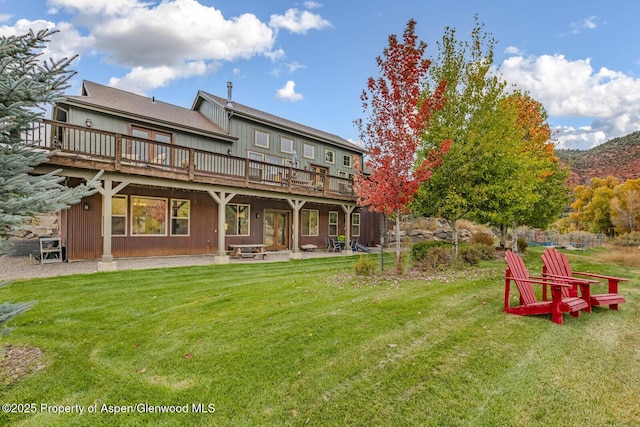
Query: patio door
[276,230]
[321,173]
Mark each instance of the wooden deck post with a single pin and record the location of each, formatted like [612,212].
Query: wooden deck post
[221,198]
[348,209]
[107,191]
[296,205]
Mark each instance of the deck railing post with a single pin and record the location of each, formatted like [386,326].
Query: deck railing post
[118,151]
[192,165]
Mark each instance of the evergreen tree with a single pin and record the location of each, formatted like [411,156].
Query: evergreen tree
[27,85]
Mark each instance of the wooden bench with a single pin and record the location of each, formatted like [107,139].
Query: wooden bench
[248,251]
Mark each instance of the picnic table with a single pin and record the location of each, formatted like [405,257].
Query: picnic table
[248,250]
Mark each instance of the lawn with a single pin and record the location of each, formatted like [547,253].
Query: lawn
[309,343]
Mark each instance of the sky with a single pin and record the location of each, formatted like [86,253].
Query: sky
[309,61]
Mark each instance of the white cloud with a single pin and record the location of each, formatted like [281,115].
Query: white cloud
[4,17]
[181,30]
[99,7]
[290,68]
[584,24]
[512,50]
[66,43]
[573,89]
[161,40]
[275,55]
[312,5]
[298,21]
[288,92]
[141,79]
[581,138]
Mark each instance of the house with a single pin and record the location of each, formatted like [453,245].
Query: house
[178,181]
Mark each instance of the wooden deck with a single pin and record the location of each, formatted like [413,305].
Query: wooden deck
[87,148]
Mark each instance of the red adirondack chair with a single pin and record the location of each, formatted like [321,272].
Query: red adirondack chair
[529,304]
[556,265]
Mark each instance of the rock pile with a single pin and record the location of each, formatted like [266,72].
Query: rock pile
[428,229]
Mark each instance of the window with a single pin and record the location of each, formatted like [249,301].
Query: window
[309,222]
[286,145]
[180,214]
[148,216]
[329,156]
[355,224]
[237,221]
[333,223]
[346,161]
[119,216]
[262,139]
[308,151]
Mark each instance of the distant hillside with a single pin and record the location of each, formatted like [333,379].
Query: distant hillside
[619,157]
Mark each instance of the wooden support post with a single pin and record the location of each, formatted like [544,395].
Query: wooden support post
[221,198]
[296,205]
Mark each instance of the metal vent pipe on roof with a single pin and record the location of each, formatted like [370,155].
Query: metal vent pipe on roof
[229,90]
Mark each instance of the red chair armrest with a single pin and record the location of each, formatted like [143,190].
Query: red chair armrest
[601,276]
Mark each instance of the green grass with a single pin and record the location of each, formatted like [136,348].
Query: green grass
[309,343]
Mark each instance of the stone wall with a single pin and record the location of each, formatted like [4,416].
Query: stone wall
[431,229]
[26,241]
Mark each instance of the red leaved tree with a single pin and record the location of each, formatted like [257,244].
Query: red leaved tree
[398,115]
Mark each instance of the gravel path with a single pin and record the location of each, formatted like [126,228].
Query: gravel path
[16,268]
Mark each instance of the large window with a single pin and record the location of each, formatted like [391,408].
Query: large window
[180,215]
[346,161]
[309,222]
[148,216]
[333,223]
[119,215]
[262,139]
[237,220]
[355,224]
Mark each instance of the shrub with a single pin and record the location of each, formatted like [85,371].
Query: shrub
[482,239]
[437,258]
[522,245]
[420,249]
[474,253]
[628,239]
[365,266]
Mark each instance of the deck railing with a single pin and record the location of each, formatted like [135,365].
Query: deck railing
[92,148]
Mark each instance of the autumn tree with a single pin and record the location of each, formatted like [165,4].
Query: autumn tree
[397,115]
[534,193]
[471,171]
[625,206]
[592,205]
[27,84]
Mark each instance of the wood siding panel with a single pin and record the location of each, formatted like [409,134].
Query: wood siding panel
[202,238]
[83,230]
[215,113]
[107,123]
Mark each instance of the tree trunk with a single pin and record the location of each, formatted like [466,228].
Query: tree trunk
[454,238]
[514,238]
[398,246]
[503,236]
